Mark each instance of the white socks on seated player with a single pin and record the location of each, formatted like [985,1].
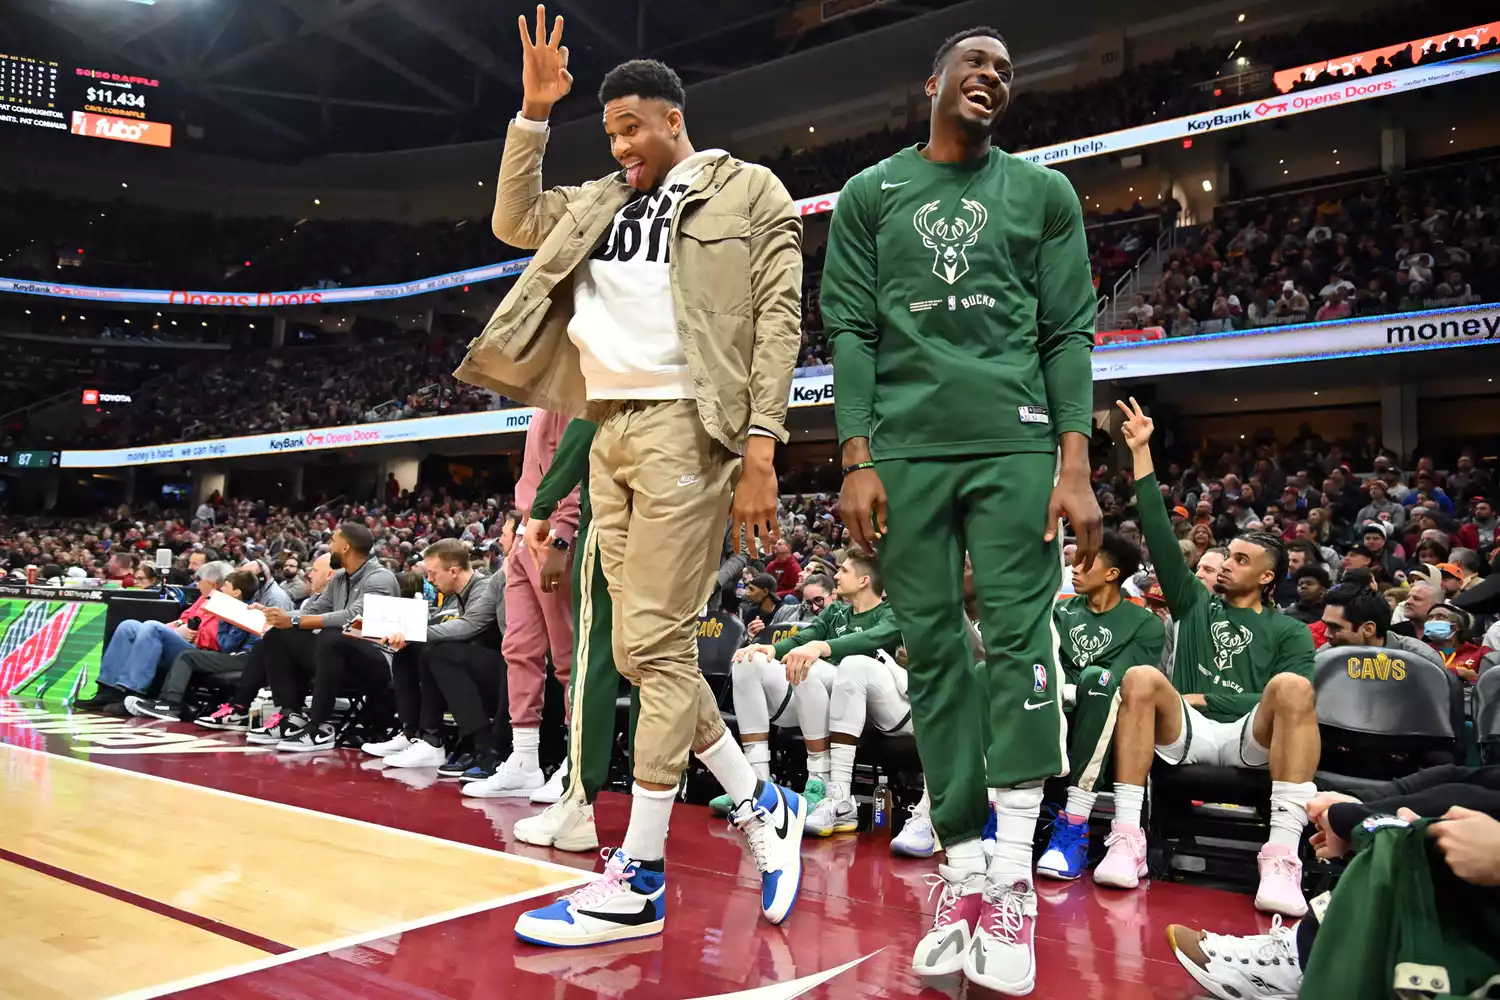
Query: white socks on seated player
[841,766]
[525,747]
[1129,799]
[758,753]
[1080,803]
[1289,801]
[819,765]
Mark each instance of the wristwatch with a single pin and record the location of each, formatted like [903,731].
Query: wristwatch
[296,617]
[560,543]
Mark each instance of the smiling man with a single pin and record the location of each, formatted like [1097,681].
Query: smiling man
[959,301]
[665,300]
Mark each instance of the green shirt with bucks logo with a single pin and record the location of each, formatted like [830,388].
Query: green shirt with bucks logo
[1224,653]
[1120,638]
[960,306]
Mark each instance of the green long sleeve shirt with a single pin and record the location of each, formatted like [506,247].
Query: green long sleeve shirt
[569,468]
[1224,653]
[1120,638]
[847,632]
[960,306]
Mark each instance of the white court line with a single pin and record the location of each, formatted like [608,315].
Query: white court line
[581,874]
[793,987]
[272,961]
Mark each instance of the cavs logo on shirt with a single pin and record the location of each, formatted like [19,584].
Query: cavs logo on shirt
[1229,641]
[1089,643]
[950,239]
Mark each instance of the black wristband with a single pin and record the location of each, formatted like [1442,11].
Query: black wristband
[857,466]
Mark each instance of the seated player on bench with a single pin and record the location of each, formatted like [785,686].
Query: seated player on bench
[798,673]
[1101,635]
[1240,693]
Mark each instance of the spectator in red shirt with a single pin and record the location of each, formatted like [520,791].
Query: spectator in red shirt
[785,568]
[1445,629]
[121,569]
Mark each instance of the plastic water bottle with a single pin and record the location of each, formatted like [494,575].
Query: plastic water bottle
[260,710]
[882,808]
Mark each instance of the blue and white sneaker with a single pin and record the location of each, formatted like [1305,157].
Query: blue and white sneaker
[916,839]
[1067,854]
[772,823]
[628,901]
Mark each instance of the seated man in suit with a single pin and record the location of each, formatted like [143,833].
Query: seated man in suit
[1240,693]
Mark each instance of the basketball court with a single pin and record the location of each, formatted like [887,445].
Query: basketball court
[150,859]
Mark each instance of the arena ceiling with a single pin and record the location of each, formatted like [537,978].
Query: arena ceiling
[287,79]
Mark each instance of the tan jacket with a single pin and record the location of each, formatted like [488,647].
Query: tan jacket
[736,273]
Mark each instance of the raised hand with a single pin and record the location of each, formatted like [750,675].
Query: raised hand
[545,79]
[1137,428]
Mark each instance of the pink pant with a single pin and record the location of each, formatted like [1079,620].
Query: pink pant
[534,622]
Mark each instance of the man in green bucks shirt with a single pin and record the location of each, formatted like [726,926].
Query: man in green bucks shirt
[1102,636]
[959,302]
[798,673]
[1240,693]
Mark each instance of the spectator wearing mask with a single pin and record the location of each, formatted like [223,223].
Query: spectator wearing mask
[459,668]
[139,650]
[1312,584]
[1446,630]
[1381,507]
[223,662]
[785,568]
[310,645]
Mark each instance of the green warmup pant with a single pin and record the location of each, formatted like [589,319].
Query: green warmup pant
[1400,923]
[595,683]
[1001,725]
[1093,730]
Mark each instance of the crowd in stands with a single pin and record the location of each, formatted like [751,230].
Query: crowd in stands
[1423,240]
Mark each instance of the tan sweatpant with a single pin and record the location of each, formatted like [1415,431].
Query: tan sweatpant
[661,489]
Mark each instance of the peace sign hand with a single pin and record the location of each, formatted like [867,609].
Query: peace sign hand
[545,79]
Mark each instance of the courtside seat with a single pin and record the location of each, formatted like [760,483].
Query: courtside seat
[1208,820]
[1487,715]
[1384,713]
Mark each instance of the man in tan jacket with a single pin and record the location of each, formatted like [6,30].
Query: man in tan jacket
[663,302]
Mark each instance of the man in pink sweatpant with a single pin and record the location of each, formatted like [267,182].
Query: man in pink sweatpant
[536,620]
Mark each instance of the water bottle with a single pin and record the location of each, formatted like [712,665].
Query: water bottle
[260,710]
[882,808]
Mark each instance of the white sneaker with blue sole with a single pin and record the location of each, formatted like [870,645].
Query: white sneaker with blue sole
[627,902]
[772,823]
[916,839]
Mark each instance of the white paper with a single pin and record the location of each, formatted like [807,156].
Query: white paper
[235,612]
[386,616]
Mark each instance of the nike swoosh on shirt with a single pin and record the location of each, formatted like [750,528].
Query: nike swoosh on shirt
[887,185]
[1098,694]
[1032,705]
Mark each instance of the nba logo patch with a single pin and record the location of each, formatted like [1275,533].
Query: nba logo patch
[1104,679]
[1039,684]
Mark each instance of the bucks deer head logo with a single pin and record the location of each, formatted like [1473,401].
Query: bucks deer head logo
[949,239]
[1089,643]
[1229,641]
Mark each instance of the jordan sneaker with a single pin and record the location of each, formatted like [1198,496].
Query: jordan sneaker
[152,708]
[916,839]
[772,823]
[942,949]
[1280,888]
[393,745]
[226,716]
[277,728]
[553,790]
[419,754]
[310,739]
[483,764]
[510,781]
[837,813]
[1124,863]
[566,825]
[1067,853]
[628,901]
[1002,953]
[1253,967]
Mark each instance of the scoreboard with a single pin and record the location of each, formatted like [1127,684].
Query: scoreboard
[29,459]
[84,100]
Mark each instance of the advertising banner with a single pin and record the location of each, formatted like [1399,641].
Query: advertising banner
[1479,35]
[50,650]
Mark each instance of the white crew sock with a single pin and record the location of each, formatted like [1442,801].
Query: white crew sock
[726,761]
[1080,803]
[841,765]
[759,756]
[650,812]
[1128,802]
[818,764]
[967,857]
[525,744]
[1016,813]
[1289,801]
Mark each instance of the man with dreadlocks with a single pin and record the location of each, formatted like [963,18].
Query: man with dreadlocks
[1240,692]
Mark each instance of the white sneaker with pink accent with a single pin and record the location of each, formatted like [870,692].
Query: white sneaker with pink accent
[1280,882]
[942,949]
[1002,954]
[1124,863]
